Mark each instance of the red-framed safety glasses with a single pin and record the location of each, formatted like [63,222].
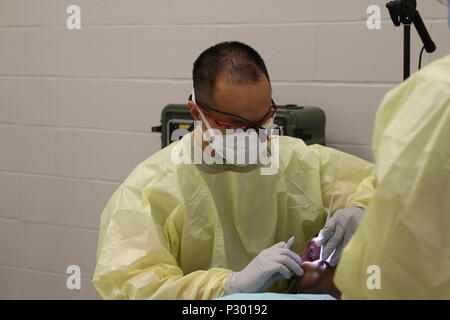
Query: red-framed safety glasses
[248,124]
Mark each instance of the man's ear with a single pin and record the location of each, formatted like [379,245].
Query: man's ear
[194,111]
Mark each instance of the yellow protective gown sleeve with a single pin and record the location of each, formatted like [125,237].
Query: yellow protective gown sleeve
[401,249]
[177,231]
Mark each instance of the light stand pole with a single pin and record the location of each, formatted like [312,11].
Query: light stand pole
[404,12]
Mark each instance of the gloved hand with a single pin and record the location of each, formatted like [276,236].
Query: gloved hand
[337,233]
[270,265]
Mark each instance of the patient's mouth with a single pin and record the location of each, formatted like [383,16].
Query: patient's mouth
[312,252]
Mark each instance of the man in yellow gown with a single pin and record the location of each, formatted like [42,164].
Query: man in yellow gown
[202,231]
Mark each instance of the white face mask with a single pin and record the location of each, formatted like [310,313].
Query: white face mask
[234,144]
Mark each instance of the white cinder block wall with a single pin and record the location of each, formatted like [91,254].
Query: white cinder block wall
[76,107]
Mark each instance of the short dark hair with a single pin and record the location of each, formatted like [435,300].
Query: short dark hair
[239,62]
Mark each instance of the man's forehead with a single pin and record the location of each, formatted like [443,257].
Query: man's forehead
[224,83]
[247,98]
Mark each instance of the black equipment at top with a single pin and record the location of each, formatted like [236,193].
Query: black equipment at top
[405,12]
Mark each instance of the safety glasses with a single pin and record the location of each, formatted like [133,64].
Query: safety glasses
[247,123]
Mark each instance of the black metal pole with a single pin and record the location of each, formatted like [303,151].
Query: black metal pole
[406,51]
[423,33]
